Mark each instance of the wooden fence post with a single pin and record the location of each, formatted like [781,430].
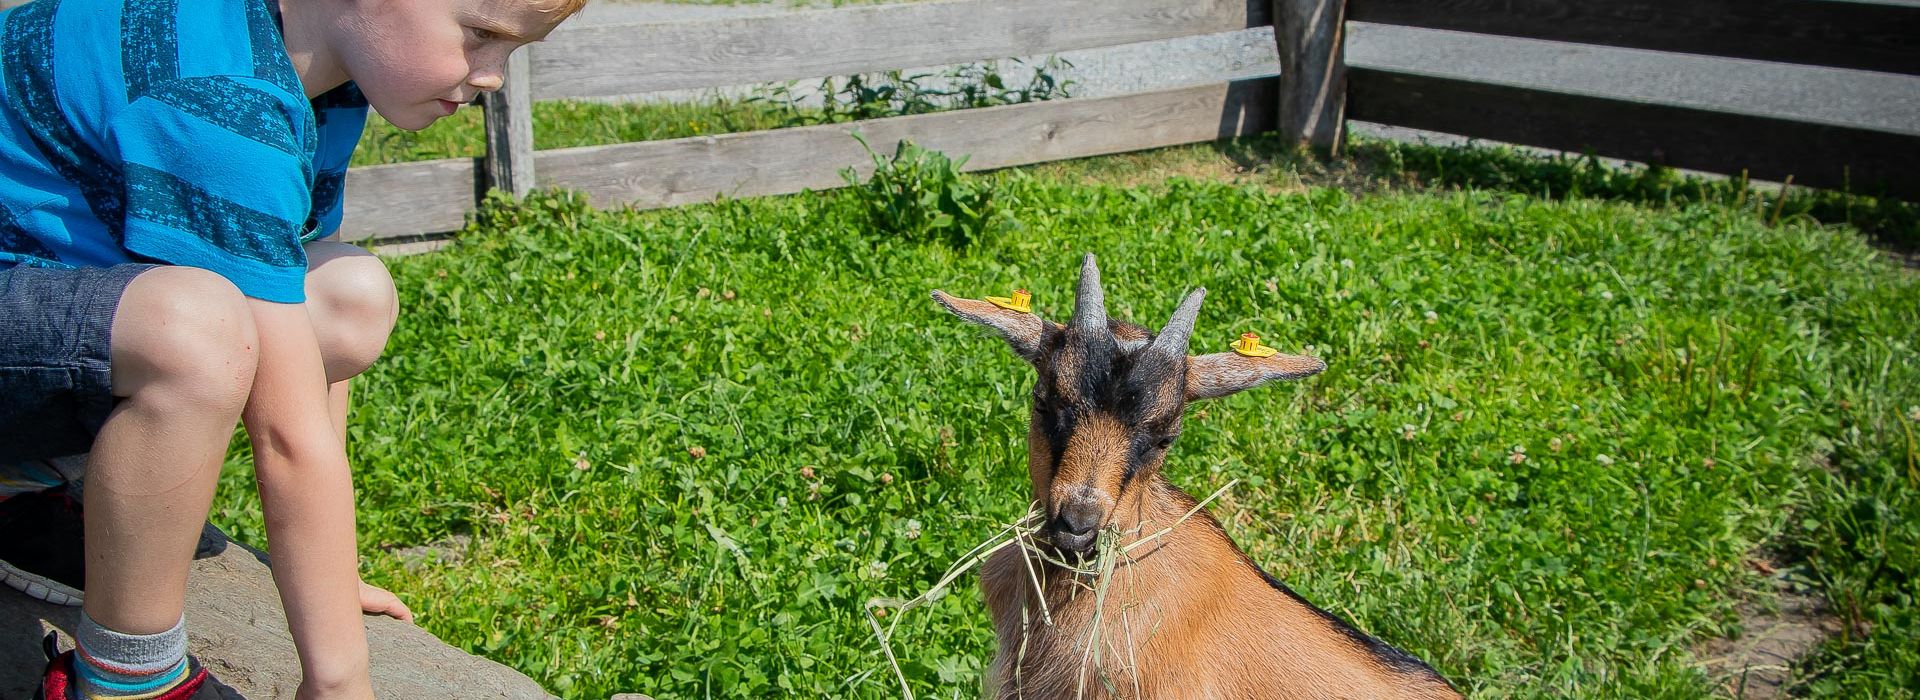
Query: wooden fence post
[509,125]
[1313,71]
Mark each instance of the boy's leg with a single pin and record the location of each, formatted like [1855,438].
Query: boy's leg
[353,306]
[339,397]
[54,394]
[351,299]
[183,357]
[352,302]
[158,362]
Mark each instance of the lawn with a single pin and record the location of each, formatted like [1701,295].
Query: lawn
[566,123]
[674,452]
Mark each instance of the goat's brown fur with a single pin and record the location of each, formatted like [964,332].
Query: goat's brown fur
[1185,614]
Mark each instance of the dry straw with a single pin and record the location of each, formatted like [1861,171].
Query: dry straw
[1022,533]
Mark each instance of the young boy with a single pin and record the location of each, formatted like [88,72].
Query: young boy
[169,172]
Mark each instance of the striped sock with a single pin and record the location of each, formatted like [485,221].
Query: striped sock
[115,666]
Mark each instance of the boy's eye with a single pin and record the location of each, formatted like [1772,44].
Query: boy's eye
[482,34]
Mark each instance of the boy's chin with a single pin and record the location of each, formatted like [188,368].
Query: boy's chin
[414,121]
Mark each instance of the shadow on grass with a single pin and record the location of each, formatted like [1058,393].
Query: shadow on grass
[1372,164]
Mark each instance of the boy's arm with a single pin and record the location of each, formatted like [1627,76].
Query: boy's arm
[307,495]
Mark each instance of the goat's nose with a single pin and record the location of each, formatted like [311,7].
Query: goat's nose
[1074,528]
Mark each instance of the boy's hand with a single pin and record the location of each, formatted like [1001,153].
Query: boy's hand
[375,600]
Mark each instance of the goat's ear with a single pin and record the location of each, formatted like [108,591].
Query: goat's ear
[1223,373]
[1023,331]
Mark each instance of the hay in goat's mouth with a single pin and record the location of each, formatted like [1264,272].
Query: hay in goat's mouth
[1108,551]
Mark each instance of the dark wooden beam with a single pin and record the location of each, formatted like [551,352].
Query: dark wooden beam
[508,164]
[1879,36]
[1863,161]
[1311,38]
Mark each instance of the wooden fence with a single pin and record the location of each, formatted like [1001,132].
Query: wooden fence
[1319,89]
[1762,140]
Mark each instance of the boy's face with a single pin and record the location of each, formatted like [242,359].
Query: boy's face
[418,60]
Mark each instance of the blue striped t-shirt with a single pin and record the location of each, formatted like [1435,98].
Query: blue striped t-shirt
[169,131]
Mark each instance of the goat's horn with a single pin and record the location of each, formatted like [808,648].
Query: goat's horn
[1089,302]
[1173,338]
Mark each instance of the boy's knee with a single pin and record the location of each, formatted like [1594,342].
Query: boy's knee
[353,303]
[187,329]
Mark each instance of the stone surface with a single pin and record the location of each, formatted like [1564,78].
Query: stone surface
[239,631]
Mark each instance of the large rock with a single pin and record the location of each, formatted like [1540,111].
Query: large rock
[239,631]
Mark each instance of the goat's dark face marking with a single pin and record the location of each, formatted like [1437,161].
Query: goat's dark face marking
[1108,401]
[1098,427]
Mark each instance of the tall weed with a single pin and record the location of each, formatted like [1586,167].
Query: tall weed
[921,194]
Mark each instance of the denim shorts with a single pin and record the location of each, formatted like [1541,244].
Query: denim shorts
[55,384]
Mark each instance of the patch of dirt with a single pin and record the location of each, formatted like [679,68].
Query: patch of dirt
[1763,662]
[1211,162]
[451,550]
[1907,254]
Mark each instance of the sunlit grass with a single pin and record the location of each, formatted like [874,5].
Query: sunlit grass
[689,445]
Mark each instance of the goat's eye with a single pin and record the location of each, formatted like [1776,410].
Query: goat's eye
[1049,402]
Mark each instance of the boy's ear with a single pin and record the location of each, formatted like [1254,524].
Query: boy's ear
[1024,332]
[1223,373]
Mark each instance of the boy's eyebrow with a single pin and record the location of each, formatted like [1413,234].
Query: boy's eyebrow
[503,30]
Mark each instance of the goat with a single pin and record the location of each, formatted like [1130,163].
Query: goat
[1185,613]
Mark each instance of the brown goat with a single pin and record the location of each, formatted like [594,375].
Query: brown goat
[1184,614]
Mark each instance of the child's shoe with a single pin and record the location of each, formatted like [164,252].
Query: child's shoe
[53,567]
[49,566]
[61,683]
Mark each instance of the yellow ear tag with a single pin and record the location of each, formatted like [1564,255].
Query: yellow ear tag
[1021,301]
[1249,345]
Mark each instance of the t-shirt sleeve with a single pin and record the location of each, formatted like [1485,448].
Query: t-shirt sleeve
[216,178]
[339,128]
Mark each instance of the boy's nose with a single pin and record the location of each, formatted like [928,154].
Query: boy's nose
[486,82]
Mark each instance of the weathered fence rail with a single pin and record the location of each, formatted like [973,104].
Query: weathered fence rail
[638,58]
[409,199]
[1535,72]
[685,171]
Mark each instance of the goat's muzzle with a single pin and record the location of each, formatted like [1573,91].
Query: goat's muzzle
[1075,528]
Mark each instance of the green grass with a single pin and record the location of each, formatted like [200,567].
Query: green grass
[1846,526]
[1508,169]
[1371,164]
[567,123]
[1689,387]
